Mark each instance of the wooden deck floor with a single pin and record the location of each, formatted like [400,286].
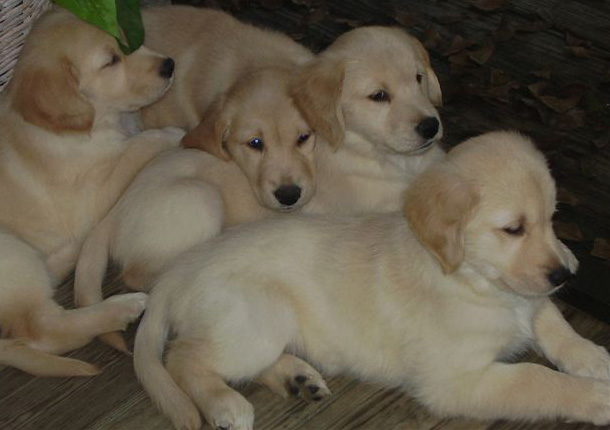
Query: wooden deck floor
[114,400]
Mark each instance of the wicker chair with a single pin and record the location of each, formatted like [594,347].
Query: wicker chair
[16,19]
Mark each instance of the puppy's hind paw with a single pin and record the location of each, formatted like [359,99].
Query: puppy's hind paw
[128,307]
[292,376]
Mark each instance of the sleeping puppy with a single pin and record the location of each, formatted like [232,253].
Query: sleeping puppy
[435,305]
[213,51]
[65,159]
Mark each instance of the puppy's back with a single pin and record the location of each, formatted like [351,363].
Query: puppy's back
[212,50]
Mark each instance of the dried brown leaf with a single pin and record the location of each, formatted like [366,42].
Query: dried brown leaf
[488,5]
[431,38]
[458,44]
[502,92]
[579,51]
[544,73]
[537,88]
[461,58]
[601,248]
[505,31]
[567,197]
[405,19]
[483,54]
[498,77]
[568,231]
[560,105]
[570,120]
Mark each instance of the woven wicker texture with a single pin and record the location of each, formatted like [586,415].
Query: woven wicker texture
[16,19]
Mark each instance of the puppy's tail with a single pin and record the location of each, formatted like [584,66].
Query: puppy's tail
[148,353]
[16,354]
[90,271]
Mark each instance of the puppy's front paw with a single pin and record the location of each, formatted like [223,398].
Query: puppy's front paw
[128,307]
[230,411]
[597,407]
[174,133]
[584,358]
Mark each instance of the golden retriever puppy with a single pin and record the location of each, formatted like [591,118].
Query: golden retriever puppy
[65,161]
[371,95]
[435,305]
[213,51]
[358,171]
[185,196]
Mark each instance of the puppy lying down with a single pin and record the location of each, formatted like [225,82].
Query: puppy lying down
[435,305]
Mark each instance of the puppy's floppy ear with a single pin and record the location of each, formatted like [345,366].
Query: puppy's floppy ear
[211,133]
[434,87]
[317,91]
[438,206]
[48,96]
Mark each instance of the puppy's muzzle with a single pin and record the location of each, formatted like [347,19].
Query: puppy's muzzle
[558,276]
[288,195]
[428,127]
[167,68]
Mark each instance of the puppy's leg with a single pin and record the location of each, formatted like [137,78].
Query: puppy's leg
[291,375]
[567,349]
[520,391]
[15,353]
[194,371]
[59,330]
[63,261]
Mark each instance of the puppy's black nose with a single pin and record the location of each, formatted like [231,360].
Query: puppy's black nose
[428,127]
[167,68]
[288,195]
[558,276]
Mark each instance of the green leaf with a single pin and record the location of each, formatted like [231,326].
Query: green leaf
[119,18]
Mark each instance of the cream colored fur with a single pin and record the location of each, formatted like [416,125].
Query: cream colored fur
[435,306]
[184,198]
[64,161]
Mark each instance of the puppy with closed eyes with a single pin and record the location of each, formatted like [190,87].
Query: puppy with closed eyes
[64,160]
[435,303]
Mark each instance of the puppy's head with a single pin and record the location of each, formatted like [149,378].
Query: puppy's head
[490,205]
[69,71]
[257,126]
[376,82]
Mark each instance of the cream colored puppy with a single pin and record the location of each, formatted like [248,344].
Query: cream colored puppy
[357,170]
[213,51]
[65,159]
[435,308]
[372,96]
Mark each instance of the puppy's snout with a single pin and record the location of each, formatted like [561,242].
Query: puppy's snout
[167,68]
[558,276]
[428,127]
[288,195]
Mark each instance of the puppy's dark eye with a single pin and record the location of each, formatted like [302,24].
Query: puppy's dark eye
[380,96]
[302,139]
[114,60]
[517,230]
[256,144]
[419,77]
